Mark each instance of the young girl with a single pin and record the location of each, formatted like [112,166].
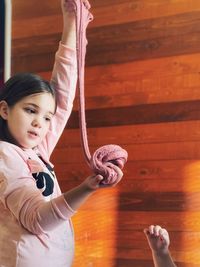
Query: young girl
[35,225]
[158,240]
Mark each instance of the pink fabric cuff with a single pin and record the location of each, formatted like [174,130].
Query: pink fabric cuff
[66,51]
[62,208]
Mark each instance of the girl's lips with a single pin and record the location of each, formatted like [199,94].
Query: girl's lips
[33,134]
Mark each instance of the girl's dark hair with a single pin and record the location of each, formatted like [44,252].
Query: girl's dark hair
[18,87]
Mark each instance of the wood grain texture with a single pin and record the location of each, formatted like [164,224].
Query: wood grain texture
[165,176]
[111,13]
[134,134]
[145,39]
[142,92]
[141,82]
[159,201]
[141,114]
[154,38]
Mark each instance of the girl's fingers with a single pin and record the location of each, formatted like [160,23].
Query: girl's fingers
[164,235]
[162,231]
[157,228]
[151,229]
[158,232]
[99,178]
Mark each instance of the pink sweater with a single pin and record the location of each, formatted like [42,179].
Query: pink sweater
[35,225]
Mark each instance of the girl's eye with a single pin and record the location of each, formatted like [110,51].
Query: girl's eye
[47,119]
[30,110]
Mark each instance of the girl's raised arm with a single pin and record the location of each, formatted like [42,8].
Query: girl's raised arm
[64,79]
[158,240]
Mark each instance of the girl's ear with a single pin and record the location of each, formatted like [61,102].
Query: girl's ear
[4,109]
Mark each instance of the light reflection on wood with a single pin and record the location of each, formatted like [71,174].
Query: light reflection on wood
[190,239]
[95,230]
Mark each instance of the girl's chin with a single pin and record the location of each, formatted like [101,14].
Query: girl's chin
[28,146]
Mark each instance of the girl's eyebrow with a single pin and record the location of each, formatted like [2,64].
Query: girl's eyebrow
[37,107]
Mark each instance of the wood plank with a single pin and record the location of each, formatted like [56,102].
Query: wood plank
[115,76]
[148,29]
[133,134]
[138,40]
[138,221]
[142,82]
[185,257]
[141,114]
[105,11]
[142,50]
[180,241]
[134,202]
[172,221]
[97,262]
[145,39]
[151,69]
[144,185]
[120,261]
[43,25]
[174,93]
[149,263]
[26,23]
[141,152]
[32,46]
[179,170]
[159,201]
[29,9]
[150,201]
[126,186]
[140,177]
[132,254]
[39,63]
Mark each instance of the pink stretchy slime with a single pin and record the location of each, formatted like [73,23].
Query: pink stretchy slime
[100,161]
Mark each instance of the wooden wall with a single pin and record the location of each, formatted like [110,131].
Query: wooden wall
[142,92]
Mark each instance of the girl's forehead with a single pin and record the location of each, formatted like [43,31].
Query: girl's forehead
[43,96]
[42,100]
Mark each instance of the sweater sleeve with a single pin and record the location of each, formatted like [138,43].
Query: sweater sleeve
[64,80]
[24,200]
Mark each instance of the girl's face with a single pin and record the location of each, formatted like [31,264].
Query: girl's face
[29,119]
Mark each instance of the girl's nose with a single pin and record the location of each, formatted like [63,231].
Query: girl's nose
[36,123]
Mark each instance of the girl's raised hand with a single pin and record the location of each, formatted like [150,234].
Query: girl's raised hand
[69,24]
[67,8]
[158,238]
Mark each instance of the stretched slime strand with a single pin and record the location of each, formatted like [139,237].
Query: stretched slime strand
[100,161]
